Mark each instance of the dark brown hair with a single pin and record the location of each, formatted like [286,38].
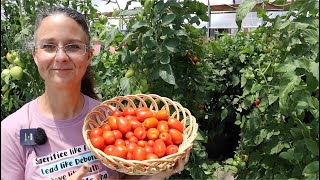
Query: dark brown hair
[87,83]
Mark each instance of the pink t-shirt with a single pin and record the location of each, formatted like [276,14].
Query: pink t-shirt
[63,154]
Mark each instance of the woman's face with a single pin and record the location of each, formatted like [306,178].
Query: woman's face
[66,66]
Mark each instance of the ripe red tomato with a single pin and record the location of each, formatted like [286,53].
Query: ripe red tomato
[109,137]
[162,114]
[129,134]
[116,113]
[123,125]
[257,102]
[128,111]
[152,156]
[171,149]
[109,149]
[159,148]
[166,137]
[150,143]
[117,134]
[120,151]
[139,154]
[130,156]
[133,139]
[153,134]
[131,146]
[176,136]
[119,142]
[149,149]
[143,114]
[163,126]
[134,124]
[174,123]
[97,142]
[141,108]
[141,143]
[140,133]
[112,121]
[95,132]
[105,127]
[150,122]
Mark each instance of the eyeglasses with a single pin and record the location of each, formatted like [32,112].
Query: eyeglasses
[76,49]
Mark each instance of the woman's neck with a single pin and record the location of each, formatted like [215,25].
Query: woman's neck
[60,105]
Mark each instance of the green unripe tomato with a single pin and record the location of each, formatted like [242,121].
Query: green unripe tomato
[16,72]
[103,19]
[139,16]
[9,57]
[147,6]
[5,73]
[235,163]
[18,62]
[242,164]
[129,73]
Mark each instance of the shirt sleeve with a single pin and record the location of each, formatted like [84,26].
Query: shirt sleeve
[12,158]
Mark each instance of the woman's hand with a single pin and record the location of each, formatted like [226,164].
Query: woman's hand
[177,168]
[78,175]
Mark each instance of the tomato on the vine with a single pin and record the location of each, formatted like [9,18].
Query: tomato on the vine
[257,102]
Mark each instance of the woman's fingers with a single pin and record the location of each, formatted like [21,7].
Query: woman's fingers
[80,173]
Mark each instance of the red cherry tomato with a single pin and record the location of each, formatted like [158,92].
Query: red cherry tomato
[141,108]
[109,137]
[119,142]
[171,149]
[163,126]
[166,137]
[150,122]
[143,114]
[117,134]
[149,149]
[141,143]
[97,142]
[123,125]
[128,111]
[131,146]
[140,133]
[153,134]
[134,124]
[176,136]
[139,154]
[129,134]
[174,123]
[105,127]
[112,121]
[95,132]
[130,156]
[150,143]
[159,148]
[116,113]
[152,156]
[109,149]
[133,139]
[120,151]
[162,114]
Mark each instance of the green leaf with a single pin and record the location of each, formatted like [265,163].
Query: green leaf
[278,148]
[287,87]
[242,58]
[311,36]
[180,33]
[125,85]
[312,146]
[224,113]
[235,80]
[272,98]
[138,25]
[314,68]
[259,138]
[110,36]
[165,72]
[288,155]
[171,44]
[168,19]
[312,168]
[243,81]
[243,10]
[164,58]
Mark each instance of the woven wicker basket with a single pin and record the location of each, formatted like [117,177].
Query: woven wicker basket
[99,115]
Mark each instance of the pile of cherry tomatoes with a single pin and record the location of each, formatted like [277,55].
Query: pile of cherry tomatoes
[138,134]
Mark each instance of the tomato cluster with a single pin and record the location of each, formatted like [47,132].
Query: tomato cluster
[138,134]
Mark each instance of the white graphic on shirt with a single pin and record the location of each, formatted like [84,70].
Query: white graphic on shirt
[62,164]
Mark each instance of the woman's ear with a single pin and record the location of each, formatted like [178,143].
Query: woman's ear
[90,55]
[34,57]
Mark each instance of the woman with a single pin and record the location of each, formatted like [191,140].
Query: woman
[63,57]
